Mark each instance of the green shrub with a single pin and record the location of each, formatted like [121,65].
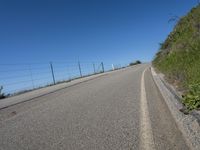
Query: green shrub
[135,63]
[192,99]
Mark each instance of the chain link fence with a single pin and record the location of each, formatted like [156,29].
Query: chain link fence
[20,78]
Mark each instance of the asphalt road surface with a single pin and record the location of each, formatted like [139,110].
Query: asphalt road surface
[120,110]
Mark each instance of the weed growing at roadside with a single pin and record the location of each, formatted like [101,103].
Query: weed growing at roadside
[192,99]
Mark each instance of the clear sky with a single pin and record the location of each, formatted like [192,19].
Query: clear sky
[113,31]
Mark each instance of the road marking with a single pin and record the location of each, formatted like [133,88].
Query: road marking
[146,134]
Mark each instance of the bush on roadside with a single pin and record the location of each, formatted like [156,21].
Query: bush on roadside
[192,99]
[135,63]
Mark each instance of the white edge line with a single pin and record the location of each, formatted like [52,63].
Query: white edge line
[146,134]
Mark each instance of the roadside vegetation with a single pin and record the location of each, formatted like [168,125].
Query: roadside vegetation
[179,58]
[135,63]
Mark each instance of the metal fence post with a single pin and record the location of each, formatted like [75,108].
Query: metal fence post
[52,72]
[94,68]
[79,66]
[102,66]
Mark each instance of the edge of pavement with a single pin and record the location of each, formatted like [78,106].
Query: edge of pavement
[189,124]
[31,95]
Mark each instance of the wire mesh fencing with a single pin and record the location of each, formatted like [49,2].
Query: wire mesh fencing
[19,78]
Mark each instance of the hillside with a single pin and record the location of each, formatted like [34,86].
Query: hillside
[179,55]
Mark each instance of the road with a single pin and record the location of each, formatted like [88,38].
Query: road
[120,110]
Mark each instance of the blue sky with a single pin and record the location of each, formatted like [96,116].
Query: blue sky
[113,31]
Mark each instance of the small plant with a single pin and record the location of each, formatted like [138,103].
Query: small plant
[192,99]
[1,93]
